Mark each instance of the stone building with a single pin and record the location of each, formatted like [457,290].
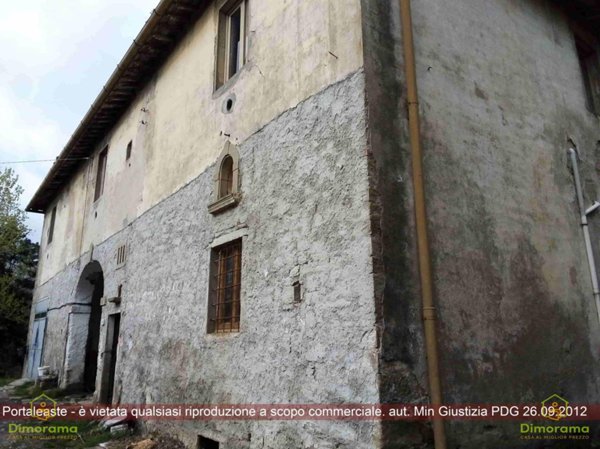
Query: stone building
[233,221]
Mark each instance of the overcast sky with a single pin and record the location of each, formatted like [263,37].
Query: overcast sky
[55,56]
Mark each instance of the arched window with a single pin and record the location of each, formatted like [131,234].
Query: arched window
[226,180]
[226,177]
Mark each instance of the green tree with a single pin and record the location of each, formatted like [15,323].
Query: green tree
[18,262]
[12,218]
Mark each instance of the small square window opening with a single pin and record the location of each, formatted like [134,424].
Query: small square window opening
[207,443]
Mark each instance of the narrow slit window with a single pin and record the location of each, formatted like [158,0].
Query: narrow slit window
[128,151]
[51,226]
[101,173]
[297,292]
[224,300]
[589,61]
[121,255]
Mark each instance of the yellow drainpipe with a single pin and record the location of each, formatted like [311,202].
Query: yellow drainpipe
[429,313]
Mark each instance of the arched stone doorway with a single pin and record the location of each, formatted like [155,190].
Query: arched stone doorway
[83,331]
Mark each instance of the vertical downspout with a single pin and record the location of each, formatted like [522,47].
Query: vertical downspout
[586,231]
[429,313]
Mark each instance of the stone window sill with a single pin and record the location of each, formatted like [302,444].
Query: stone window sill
[224,203]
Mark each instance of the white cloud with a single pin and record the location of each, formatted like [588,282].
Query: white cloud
[38,35]
[55,57]
[25,129]
[26,134]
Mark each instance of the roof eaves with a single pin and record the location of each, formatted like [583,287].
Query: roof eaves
[165,27]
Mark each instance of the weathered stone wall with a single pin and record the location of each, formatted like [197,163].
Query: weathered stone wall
[68,310]
[500,96]
[403,376]
[176,123]
[304,210]
[328,195]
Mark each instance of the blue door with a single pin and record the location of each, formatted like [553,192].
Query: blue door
[36,347]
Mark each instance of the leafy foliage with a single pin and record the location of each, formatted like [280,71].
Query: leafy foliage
[18,262]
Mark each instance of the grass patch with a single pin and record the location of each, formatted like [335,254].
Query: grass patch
[23,390]
[54,393]
[32,391]
[6,380]
[91,434]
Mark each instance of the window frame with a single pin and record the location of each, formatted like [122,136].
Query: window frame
[226,176]
[224,43]
[220,320]
[223,201]
[101,173]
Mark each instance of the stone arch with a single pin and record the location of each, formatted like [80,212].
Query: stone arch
[83,330]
